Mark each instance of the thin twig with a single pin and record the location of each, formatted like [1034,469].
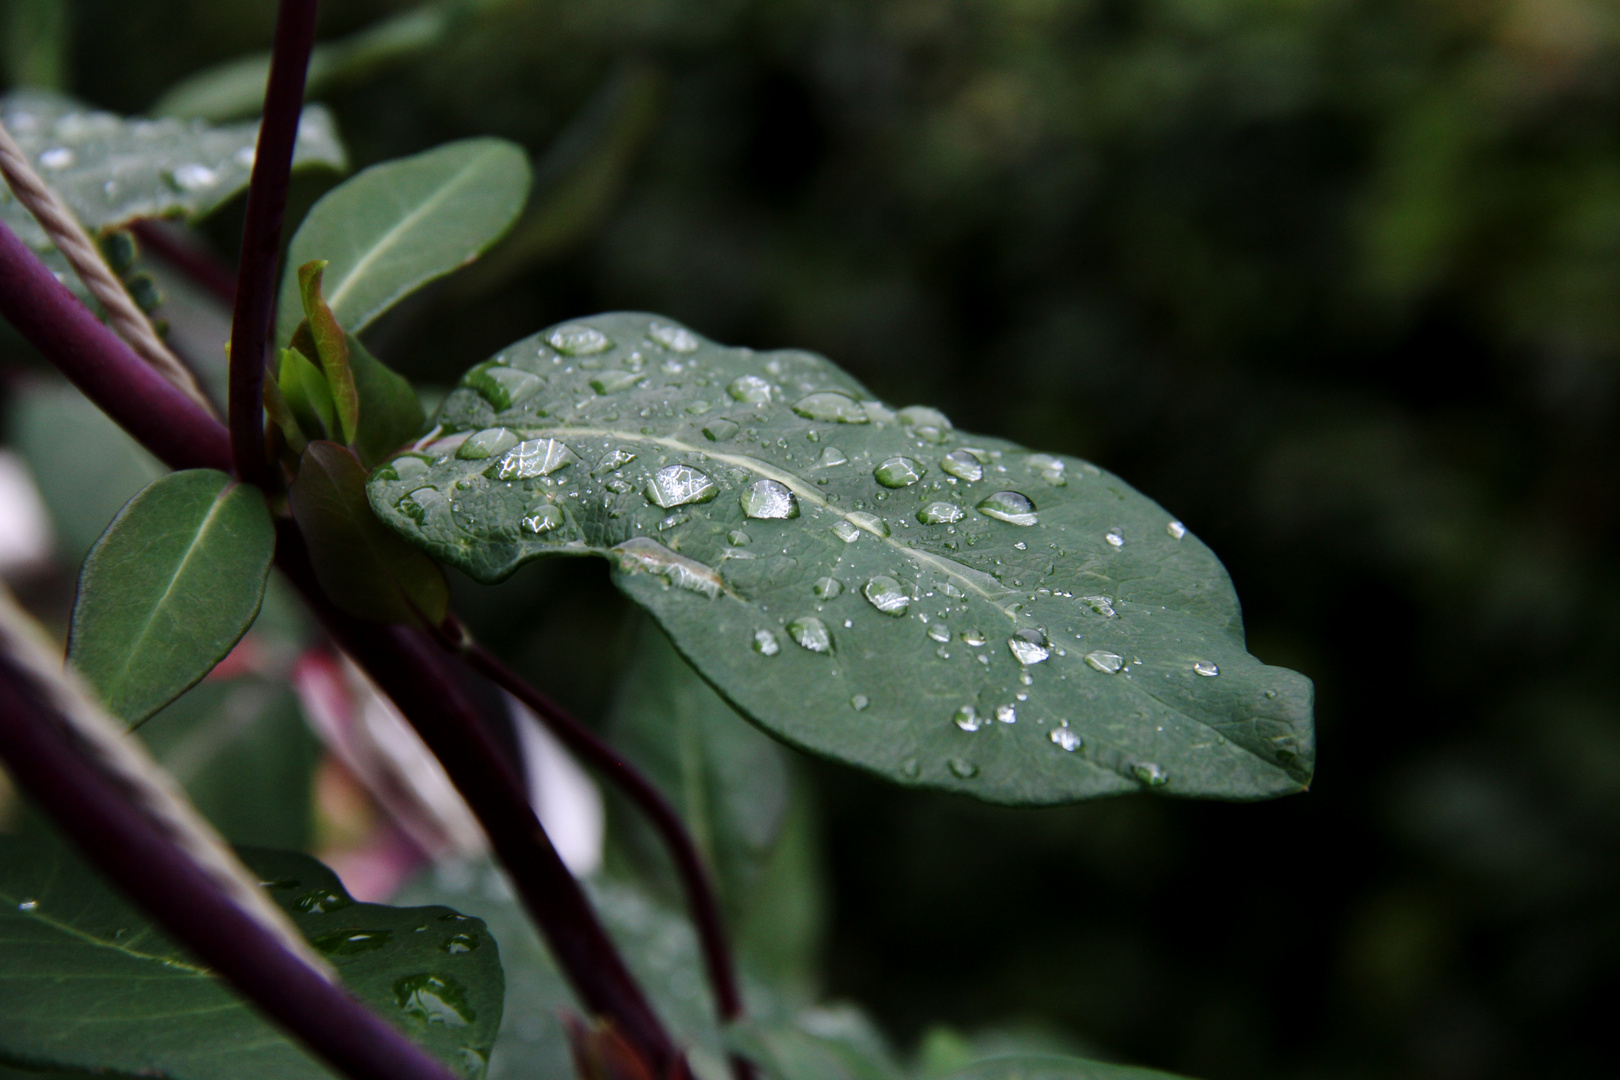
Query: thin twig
[261,237]
[81,252]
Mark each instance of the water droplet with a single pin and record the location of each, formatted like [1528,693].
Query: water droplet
[720,429]
[678,338]
[828,588]
[1029,647]
[965,770]
[57,157]
[195,177]
[434,999]
[962,465]
[870,522]
[750,390]
[770,500]
[1065,737]
[612,462]
[535,457]
[543,518]
[1149,773]
[405,467]
[577,339]
[1176,529]
[486,443]
[898,472]
[640,553]
[351,941]
[939,632]
[926,423]
[811,633]
[1206,669]
[419,503]
[698,408]
[967,718]
[1271,694]
[765,643]
[1007,714]
[738,537]
[830,406]
[974,638]
[1049,468]
[859,702]
[940,513]
[846,531]
[1102,605]
[504,387]
[321,901]
[611,382]
[1106,662]
[1115,539]
[886,594]
[1012,507]
[678,485]
[830,457]
[28,905]
[460,943]
[910,769]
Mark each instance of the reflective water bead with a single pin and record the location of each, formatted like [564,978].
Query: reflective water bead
[486,443]
[1176,529]
[830,406]
[612,462]
[925,422]
[543,518]
[940,513]
[750,390]
[1065,737]
[1115,539]
[769,500]
[57,157]
[1007,714]
[1029,647]
[1102,605]
[887,595]
[1149,773]
[195,176]
[828,588]
[859,702]
[811,633]
[962,465]
[536,457]
[765,643]
[721,429]
[974,638]
[846,531]
[678,338]
[1106,662]
[1013,507]
[504,387]
[577,339]
[1206,669]
[678,485]
[898,472]
[869,522]
[962,768]
[830,457]
[611,382]
[939,632]
[1049,468]
[967,718]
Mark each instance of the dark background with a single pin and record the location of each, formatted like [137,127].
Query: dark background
[1335,281]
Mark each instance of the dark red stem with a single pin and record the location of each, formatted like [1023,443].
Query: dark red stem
[700,894]
[189,257]
[98,362]
[121,841]
[261,237]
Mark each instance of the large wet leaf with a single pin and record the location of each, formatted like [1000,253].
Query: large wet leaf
[87,983]
[170,587]
[112,170]
[396,226]
[1052,1067]
[945,609]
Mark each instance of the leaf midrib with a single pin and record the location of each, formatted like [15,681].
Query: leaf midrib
[91,939]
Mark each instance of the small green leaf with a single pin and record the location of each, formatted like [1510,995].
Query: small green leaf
[111,170]
[367,570]
[390,412]
[89,984]
[307,396]
[836,1043]
[169,588]
[394,227]
[1053,1067]
[870,584]
[331,348]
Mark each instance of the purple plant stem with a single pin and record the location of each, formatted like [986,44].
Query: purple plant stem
[700,895]
[98,362]
[121,841]
[261,237]
[408,667]
[189,257]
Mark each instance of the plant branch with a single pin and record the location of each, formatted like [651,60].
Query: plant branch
[700,894]
[203,267]
[261,236]
[132,851]
[98,362]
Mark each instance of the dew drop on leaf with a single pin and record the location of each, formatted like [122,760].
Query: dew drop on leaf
[974,638]
[750,390]
[765,643]
[486,443]
[811,633]
[967,718]
[577,339]
[940,513]
[886,594]
[1012,507]
[846,531]
[962,465]
[1065,737]
[1106,662]
[830,457]
[1029,647]
[939,633]
[769,500]
[870,522]
[543,518]
[1115,539]
[678,485]
[536,457]
[859,702]
[1048,468]
[676,338]
[1007,714]
[898,472]
[434,999]
[1176,529]
[611,382]
[829,406]
[1149,773]
[962,768]
[1206,669]
[828,588]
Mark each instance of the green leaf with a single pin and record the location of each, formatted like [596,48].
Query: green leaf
[1053,1067]
[365,569]
[244,755]
[308,397]
[169,588]
[828,1043]
[656,943]
[112,170]
[86,982]
[331,348]
[944,609]
[394,227]
[390,412]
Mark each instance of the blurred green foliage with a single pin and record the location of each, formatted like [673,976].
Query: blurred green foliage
[1334,281]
